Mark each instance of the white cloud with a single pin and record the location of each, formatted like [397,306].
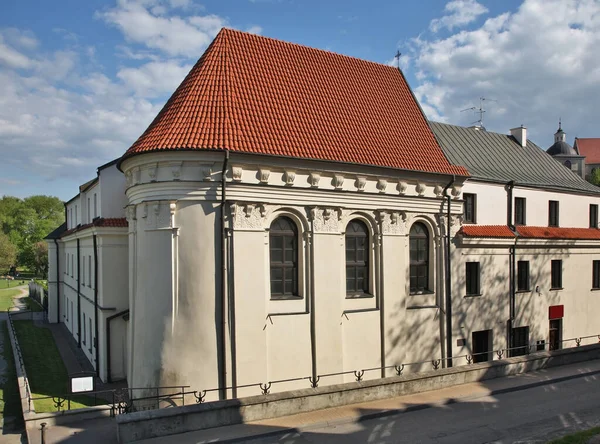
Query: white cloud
[12,58]
[459,13]
[155,78]
[254,30]
[539,62]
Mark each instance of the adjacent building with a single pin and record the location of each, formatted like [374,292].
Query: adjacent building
[291,216]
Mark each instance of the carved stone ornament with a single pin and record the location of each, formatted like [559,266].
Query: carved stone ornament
[289,177]
[248,216]
[455,224]
[392,222]
[401,187]
[131,213]
[456,191]
[137,173]
[438,190]
[207,172]
[381,185]
[129,178]
[176,170]
[313,179]
[263,175]
[236,173]
[326,220]
[338,181]
[420,188]
[152,172]
[360,183]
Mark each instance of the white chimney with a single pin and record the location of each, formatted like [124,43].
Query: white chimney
[520,134]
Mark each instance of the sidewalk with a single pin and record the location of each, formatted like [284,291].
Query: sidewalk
[356,412]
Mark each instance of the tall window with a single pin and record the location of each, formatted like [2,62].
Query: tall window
[593,216]
[419,258]
[470,208]
[90,271]
[472,278]
[95,205]
[556,274]
[84,334]
[596,274]
[83,272]
[523,275]
[72,265]
[89,214]
[520,210]
[553,213]
[357,259]
[283,249]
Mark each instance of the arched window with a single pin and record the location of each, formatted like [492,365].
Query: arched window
[283,249]
[419,258]
[357,259]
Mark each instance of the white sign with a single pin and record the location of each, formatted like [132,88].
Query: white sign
[82,384]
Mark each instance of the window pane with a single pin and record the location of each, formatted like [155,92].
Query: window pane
[276,287]
[276,255]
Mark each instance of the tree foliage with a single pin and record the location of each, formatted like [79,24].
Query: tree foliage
[26,222]
[8,253]
[595,176]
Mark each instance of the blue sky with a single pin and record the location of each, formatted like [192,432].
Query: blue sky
[81,80]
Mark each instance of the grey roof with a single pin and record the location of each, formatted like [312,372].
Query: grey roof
[500,158]
[561,147]
[56,233]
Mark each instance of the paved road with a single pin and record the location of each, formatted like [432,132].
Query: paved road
[533,415]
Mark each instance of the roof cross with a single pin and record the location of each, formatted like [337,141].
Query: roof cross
[397,57]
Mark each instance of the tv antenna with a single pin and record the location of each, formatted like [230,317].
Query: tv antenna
[481,111]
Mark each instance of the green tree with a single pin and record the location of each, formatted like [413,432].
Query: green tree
[595,176]
[8,253]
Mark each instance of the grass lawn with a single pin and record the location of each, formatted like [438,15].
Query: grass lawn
[578,438]
[5,283]
[10,403]
[33,305]
[45,369]
[6,298]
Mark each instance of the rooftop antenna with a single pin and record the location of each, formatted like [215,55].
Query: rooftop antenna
[481,111]
[397,57]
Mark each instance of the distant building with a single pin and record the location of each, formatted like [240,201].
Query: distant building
[566,154]
[590,149]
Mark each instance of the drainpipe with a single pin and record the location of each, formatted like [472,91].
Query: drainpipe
[96,306]
[381,304]
[313,329]
[108,319]
[222,332]
[512,264]
[78,295]
[57,282]
[448,276]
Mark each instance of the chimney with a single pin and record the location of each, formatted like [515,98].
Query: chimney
[520,134]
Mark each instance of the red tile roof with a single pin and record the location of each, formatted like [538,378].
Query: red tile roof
[114,222]
[590,148]
[486,231]
[253,94]
[558,233]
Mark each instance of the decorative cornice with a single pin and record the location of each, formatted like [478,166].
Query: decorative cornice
[326,220]
[360,183]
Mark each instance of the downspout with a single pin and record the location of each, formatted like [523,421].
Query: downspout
[108,319]
[381,304]
[78,295]
[448,276]
[57,282]
[512,265]
[96,306]
[313,319]
[223,327]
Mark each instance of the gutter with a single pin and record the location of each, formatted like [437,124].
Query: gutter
[223,323]
[57,282]
[96,306]
[108,319]
[448,276]
[78,295]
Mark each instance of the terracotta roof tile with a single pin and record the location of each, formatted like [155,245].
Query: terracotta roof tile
[111,222]
[558,233]
[486,231]
[254,94]
[590,148]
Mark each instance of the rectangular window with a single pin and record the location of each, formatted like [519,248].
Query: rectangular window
[523,275]
[520,338]
[90,344]
[75,215]
[520,210]
[596,274]
[556,274]
[89,214]
[83,272]
[553,213]
[84,335]
[72,265]
[95,206]
[90,271]
[470,208]
[472,278]
[66,270]
[593,216]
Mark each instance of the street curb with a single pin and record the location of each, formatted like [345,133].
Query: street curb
[390,412]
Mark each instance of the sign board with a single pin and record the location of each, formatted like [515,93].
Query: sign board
[556,312]
[82,382]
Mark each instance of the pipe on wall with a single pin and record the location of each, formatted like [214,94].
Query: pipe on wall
[57,282]
[223,326]
[380,276]
[448,276]
[95,343]
[313,329]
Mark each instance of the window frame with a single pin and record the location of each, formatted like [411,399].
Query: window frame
[594,216]
[596,275]
[284,265]
[556,274]
[419,264]
[353,236]
[553,213]
[472,278]
[525,278]
[470,204]
[520,211]
[90,271]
